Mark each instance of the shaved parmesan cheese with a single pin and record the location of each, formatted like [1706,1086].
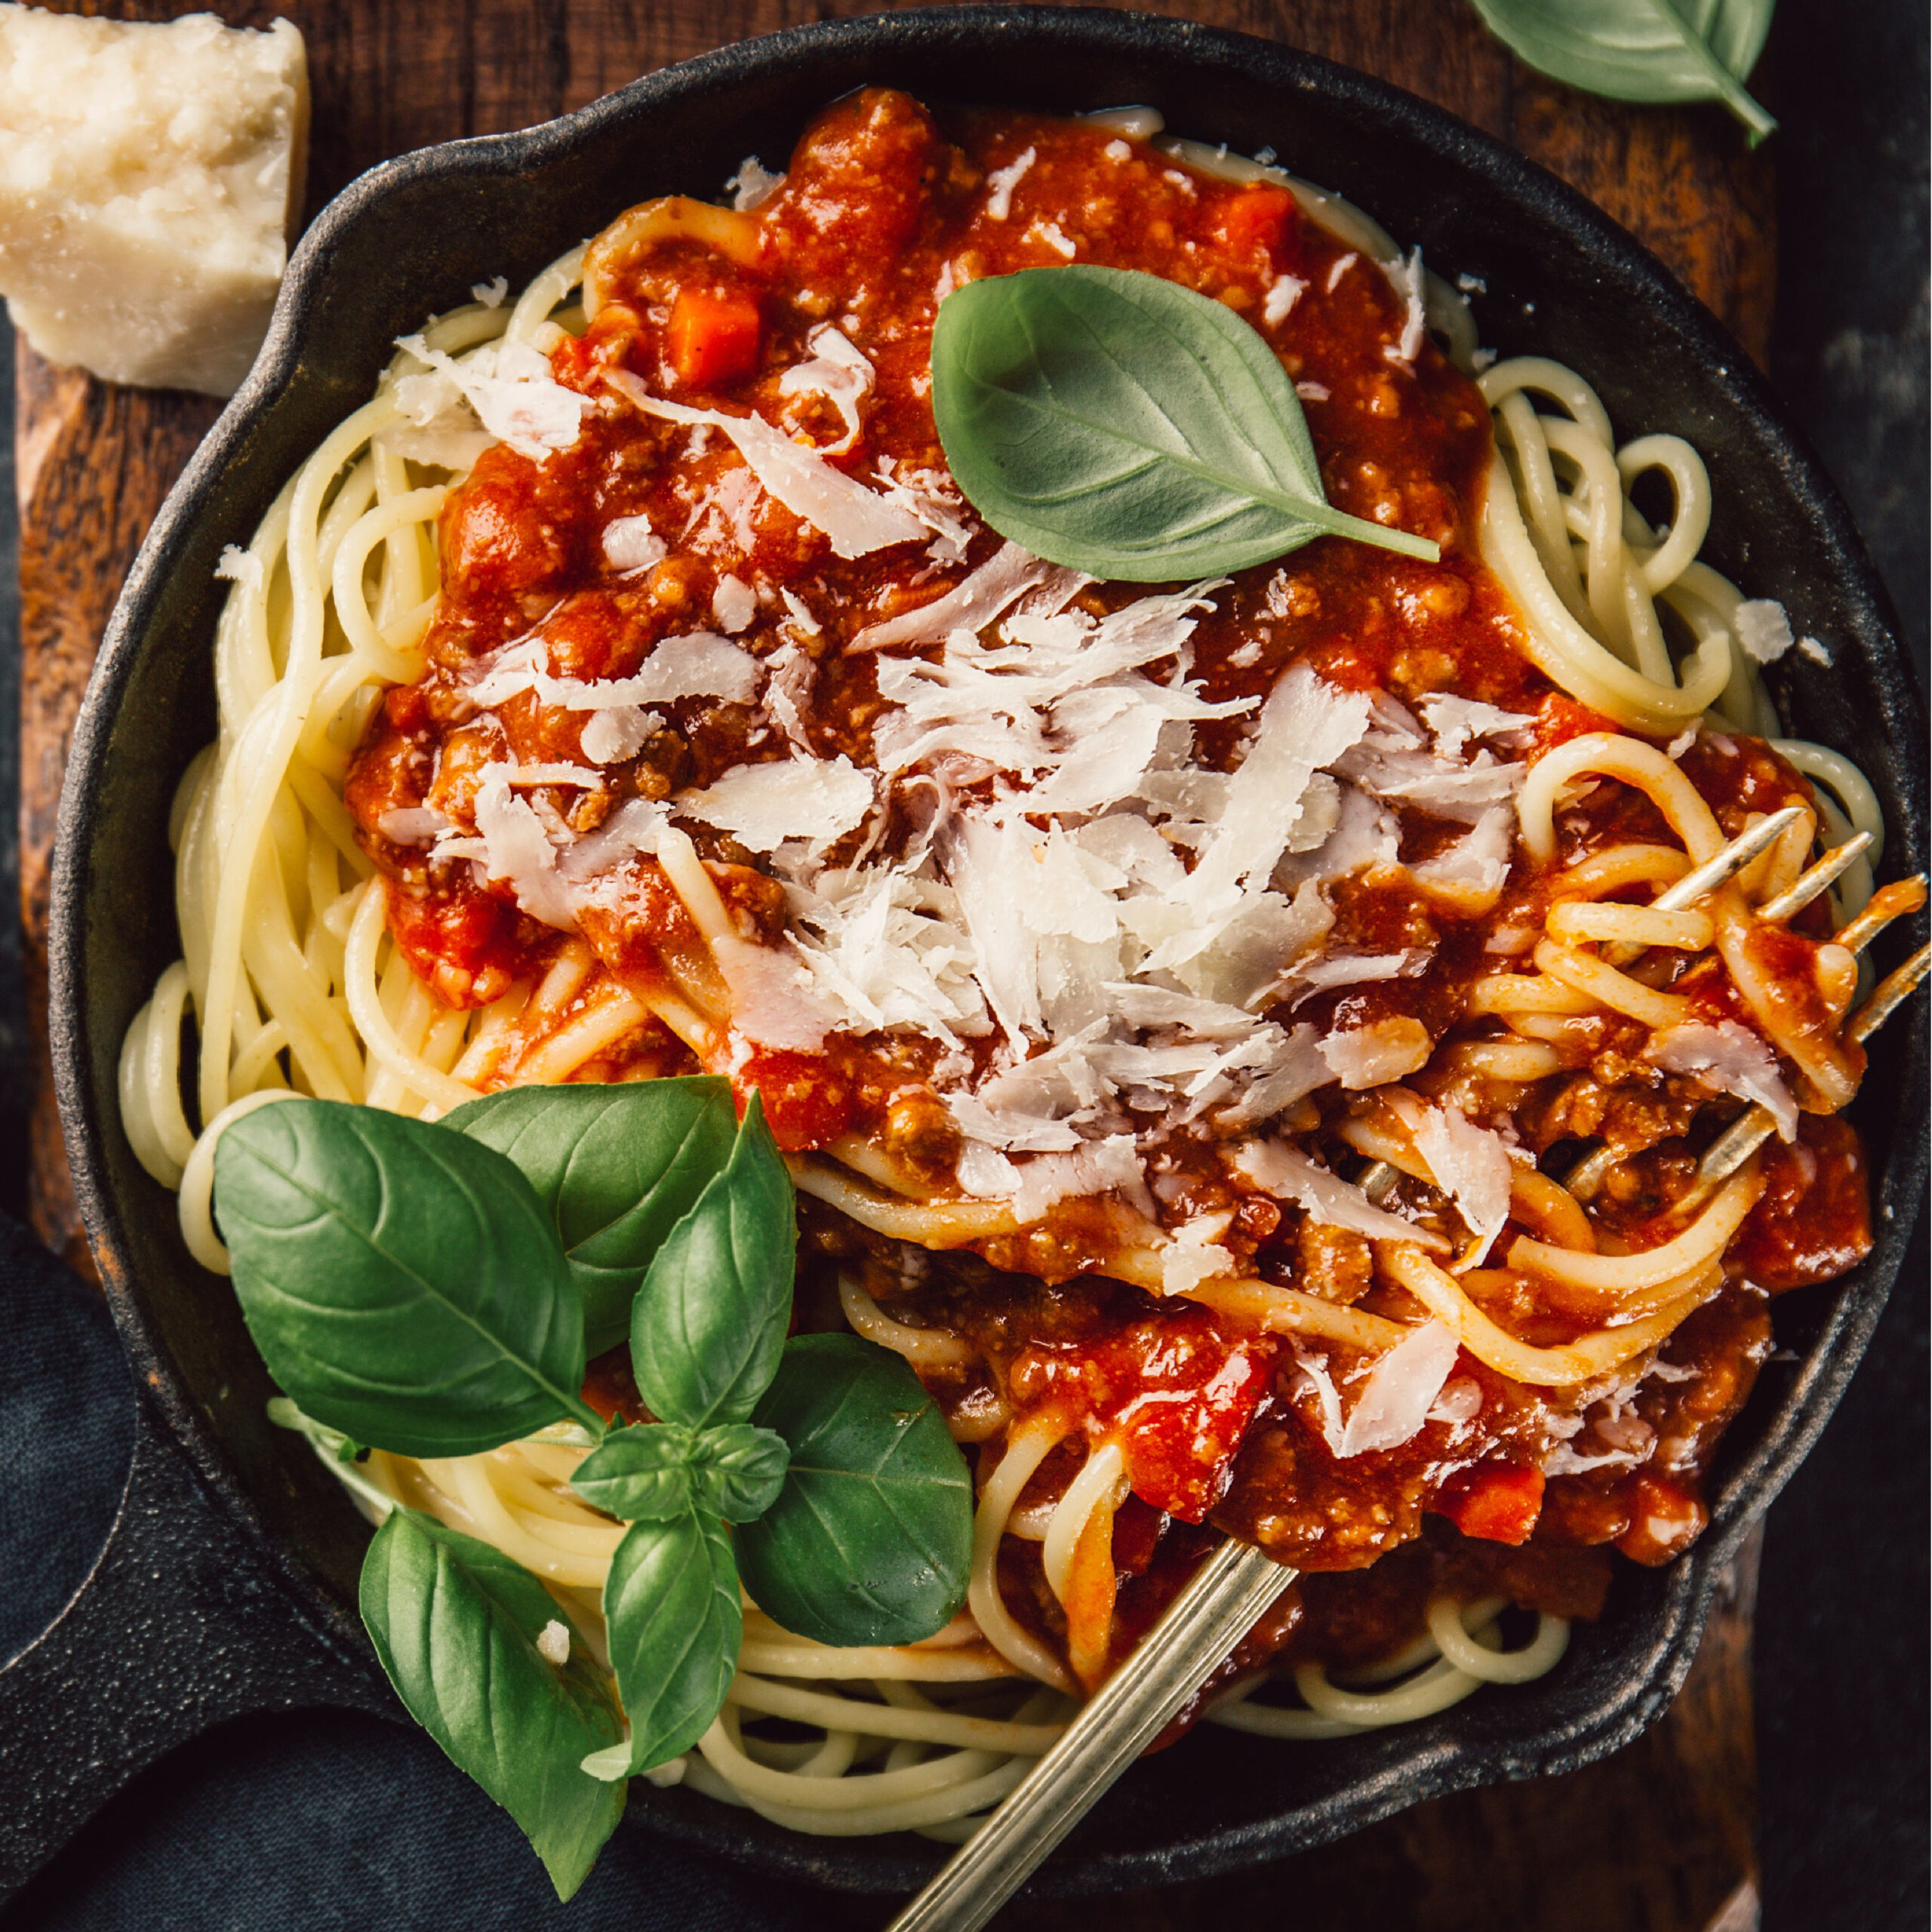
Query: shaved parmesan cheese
[700,665]
[1763,631]
[1354,969]
[510,387]
[412,825]
[1472,1165]
[814,799]
[858,521]
[1728,1058]
[1400,1391]
[1473,871]
[1340,268]
[972,605]
[1288,1175]
[1193,1256]
[1095,1166]
[1002,182]
[772,999]
[519,849]
[839,373]
[1052,235]
[1455,721]
[1298,1068]
[631,544]
[241,567]
[1307,723]
[631,829]
[1384,1050]
[931,496]
[1404,274]
[1283,294]
[734,605]
[609,737]
[753,185]
[1016,1133]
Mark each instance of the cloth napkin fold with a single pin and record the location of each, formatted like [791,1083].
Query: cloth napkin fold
[312,1821]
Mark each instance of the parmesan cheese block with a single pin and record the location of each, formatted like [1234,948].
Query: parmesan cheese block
[149,174]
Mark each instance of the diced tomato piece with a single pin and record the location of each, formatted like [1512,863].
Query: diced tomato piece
[806,1103]
[1665,1518]
[1263,217]
[713,338]
[1495,1502]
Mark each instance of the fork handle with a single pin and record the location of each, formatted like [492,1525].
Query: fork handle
[1200,1627]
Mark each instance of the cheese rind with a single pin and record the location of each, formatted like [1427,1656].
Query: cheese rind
[149,177]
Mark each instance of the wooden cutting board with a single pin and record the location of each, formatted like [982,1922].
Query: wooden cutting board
[1658,1839]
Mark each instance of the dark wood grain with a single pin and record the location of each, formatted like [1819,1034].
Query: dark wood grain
[1658,1839]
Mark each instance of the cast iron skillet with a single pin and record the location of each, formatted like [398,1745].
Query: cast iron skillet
[229,1582]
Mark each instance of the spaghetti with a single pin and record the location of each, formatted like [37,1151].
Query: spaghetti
[624,689]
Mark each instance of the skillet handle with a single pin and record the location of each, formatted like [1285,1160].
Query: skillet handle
[182,1623]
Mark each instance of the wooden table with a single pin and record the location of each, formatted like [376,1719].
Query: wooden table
[1658,1839]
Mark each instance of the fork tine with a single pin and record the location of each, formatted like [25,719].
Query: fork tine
[1889,902]
[1749,1131]
[1828,871]
[1722,864]
[1728,862]
[1891,993]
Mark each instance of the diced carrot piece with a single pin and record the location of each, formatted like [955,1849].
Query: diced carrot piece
[1263,217]
[713,337]
[1496,1501]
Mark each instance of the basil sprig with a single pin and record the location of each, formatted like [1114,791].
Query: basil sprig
[1122,425]
[1652,50]
[427,1289]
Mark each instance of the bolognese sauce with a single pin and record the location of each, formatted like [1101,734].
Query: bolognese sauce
[814,312]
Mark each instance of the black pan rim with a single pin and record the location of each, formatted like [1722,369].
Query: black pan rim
[1627,269]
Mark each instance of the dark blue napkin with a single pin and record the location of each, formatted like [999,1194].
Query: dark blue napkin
[314,1821]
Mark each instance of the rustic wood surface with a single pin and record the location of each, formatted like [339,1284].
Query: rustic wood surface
[1658,1839]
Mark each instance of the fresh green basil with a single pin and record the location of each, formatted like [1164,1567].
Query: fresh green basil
[670,1601]
[616,1167]
[455,1623]
[1653,51]
[652,1474]
[1124,425]
[708,1324]
[871,1539]
[402,1282]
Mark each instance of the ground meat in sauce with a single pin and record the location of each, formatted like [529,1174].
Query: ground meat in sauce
[1223,1428]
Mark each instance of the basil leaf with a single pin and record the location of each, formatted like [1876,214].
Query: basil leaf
[709,1323]
[455,1623]
[1652,50]
[401,1281]
[871,1540]
[1126,427]
[741,1471]
[651,1474]
[617,1167]
[670,1601]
